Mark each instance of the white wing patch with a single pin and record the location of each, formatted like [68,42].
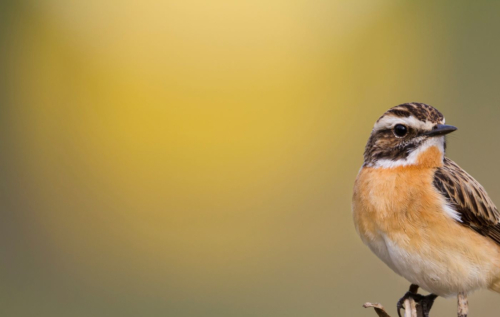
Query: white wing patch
[448,210]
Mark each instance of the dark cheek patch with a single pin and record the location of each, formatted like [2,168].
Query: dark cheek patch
[384,145]
[388,147]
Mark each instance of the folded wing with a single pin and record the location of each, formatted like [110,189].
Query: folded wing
[466,196]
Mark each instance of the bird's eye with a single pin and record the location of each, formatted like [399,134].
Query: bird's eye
[400,130]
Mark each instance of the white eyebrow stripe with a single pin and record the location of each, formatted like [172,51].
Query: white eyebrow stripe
[389,121]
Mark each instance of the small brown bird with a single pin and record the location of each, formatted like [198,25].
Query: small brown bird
[420,213]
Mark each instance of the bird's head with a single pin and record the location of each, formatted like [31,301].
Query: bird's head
[408,134]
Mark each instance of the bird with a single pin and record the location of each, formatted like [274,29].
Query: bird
[420,213]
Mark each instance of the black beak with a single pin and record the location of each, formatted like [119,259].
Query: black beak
[441,129]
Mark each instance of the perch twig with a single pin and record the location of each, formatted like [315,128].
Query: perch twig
[411,309]
[379,309]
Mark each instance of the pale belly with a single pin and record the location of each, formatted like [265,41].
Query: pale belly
[444,270]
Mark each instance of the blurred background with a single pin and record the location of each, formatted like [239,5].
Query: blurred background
[196,158]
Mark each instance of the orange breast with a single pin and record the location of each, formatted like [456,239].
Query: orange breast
[392,201]
[396,201]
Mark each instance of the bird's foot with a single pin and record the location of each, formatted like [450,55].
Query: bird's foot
[416,297]
[425,302]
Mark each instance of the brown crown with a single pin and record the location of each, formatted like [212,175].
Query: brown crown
[421,111]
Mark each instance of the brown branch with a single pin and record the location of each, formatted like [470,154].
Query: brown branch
[411,309]
[379,309]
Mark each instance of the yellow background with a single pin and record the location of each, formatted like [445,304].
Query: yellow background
[196,158]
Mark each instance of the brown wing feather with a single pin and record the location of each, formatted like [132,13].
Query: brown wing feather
[469,199]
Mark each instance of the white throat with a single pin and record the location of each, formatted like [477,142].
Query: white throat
[412,159]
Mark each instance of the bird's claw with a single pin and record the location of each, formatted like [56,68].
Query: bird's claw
[425,302]
[416,297]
